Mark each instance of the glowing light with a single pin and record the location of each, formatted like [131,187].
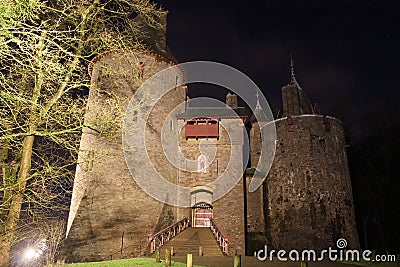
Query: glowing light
[30,254]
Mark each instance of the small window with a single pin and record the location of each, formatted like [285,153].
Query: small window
[202,164]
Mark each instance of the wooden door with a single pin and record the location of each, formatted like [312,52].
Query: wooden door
[202,217]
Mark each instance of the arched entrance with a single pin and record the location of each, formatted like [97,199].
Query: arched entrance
[201,214]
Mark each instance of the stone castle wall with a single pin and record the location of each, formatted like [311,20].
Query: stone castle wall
[228,212]
[308,197]
[305,203]
[110,216]
[255,210]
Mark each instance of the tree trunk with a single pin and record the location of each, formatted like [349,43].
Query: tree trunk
[16,200]
[35,117]
[5,173]
[18,189]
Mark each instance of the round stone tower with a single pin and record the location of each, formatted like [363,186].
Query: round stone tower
[308,202]
[110,215]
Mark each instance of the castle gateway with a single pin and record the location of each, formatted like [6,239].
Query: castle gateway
[305,202]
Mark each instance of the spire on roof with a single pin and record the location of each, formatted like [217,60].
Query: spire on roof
[258,106]
[258,113]
[295,102]
[292,75]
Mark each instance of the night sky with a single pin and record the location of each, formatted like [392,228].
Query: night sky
[347,60]
[346,53]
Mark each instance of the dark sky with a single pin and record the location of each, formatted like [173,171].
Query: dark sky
[346,53]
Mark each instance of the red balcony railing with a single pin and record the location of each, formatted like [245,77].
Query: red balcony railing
[202,127]
[158,239]
[221,238]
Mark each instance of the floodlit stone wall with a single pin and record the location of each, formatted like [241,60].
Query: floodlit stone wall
[308,198]
[110,215]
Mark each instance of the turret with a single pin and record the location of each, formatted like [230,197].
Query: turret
[294,100]
[231,100]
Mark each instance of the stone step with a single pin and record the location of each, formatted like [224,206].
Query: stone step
[189,241]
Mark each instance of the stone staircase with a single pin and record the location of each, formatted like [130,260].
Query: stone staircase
[189,241]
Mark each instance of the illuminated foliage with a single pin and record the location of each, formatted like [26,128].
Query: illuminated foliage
[45,50]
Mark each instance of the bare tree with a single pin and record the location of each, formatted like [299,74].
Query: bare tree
[44,53]
[40,242]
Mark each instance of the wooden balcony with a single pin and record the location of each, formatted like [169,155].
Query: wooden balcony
[202,127]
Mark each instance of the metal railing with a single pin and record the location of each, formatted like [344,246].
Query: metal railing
[158,239]
[221,238]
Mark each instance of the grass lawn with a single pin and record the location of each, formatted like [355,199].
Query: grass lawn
[141,262]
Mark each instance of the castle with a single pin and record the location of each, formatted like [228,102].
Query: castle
[304,203]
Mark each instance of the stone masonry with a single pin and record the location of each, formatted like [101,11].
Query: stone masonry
[110,216]
[305,202]
[307,196]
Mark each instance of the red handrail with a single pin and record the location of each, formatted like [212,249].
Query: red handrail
[221,238]
[166,234]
